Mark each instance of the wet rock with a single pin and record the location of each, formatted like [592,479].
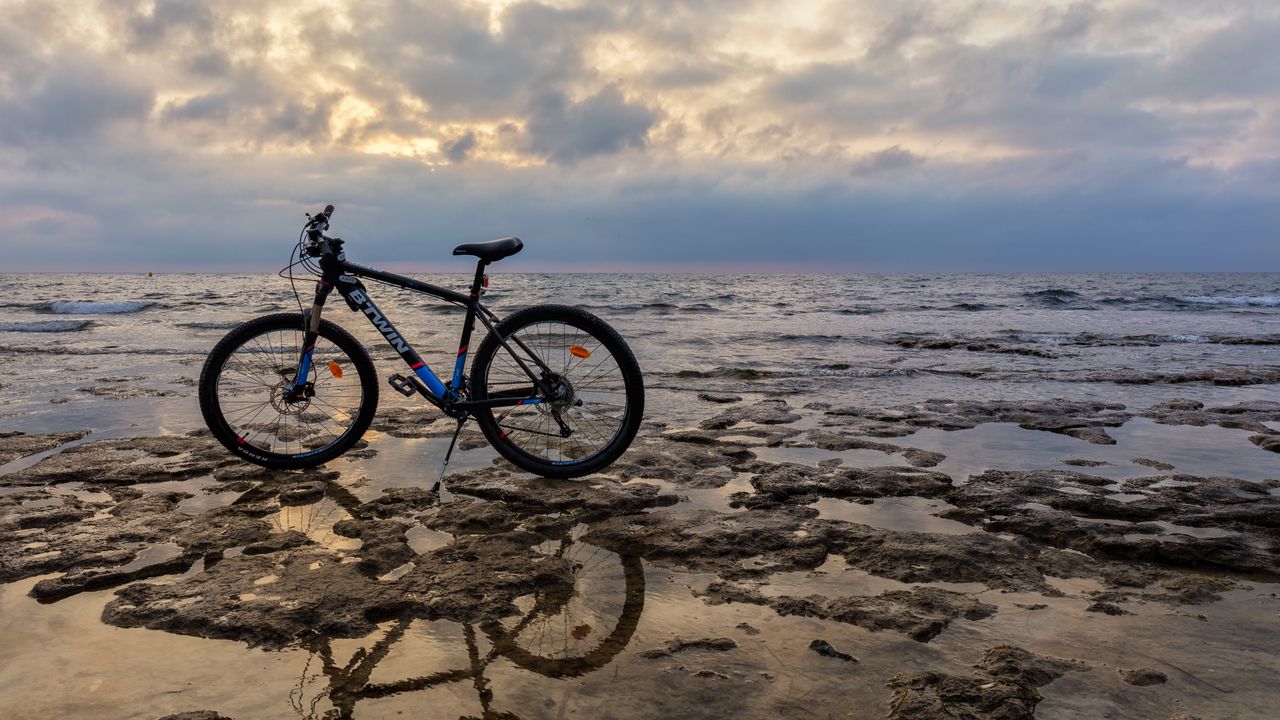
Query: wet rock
[1244,416]
[1143,677]
[839,442]
[1106,608]
[219,529]
[399,501]
[1154,464]
[126,392]
[938,696]
[127,462]
[413,422]
[679,645]
[1266,442]
[273,601]
[801,484]
[700,465]
[1082,462]
[277,543]
[1035,670]
[469,518]
[1094,435]
[923,458]
[704,540]
[765,412]
[748,628]
[14,445]
[90,579]
[824,648]
[1005,691]
[1072,510]
[922,557]
[303,493]
[1195,589]
[723,398]
[384,545]
[1083,420]
[591,497]
[920,613]
[196,715]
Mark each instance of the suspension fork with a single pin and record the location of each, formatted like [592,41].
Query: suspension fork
[311,333]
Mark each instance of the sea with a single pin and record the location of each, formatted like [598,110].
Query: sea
[120,353]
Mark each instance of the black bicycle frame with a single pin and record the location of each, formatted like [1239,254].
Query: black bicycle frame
[345,277]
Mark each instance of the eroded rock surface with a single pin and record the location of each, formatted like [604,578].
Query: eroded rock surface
[1084,420]
[1004,689]
[14,445]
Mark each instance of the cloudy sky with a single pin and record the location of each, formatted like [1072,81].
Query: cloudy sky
[706,134]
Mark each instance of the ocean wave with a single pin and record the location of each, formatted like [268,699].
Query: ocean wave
[222,325]
[1045,339]
[114,350]
[818,338]
[87,307]
[46,326]
[971,307]
[1234,301]
[829,370]
[1053,296]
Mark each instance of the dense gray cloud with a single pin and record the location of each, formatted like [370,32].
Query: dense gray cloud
[968,134]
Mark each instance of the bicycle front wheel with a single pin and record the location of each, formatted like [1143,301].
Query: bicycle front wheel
[596,409]
[244,386]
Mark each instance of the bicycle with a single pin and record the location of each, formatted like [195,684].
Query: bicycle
[555,390]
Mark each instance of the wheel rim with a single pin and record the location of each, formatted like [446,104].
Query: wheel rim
[591,395]
[252,388]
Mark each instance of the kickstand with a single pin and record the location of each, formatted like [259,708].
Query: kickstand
[449,453]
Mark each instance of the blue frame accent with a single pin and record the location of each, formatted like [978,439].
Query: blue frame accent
[304,368]
[432,382]
[458,365]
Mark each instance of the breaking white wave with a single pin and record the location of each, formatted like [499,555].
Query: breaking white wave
[1044,339]
[1236,301]
[85,307]
[47,326]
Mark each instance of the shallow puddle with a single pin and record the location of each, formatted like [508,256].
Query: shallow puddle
[1209,451]
[895,513]
[316,521]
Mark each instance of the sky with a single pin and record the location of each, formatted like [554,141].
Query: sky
[706,135]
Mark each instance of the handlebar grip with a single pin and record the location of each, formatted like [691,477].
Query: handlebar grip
[319,221]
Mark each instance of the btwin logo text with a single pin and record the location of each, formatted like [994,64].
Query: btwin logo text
[383,325]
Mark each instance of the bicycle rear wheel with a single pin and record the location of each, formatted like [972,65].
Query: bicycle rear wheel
[594,415]
[243,386]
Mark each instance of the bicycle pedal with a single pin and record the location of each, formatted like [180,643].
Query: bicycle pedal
[403,385]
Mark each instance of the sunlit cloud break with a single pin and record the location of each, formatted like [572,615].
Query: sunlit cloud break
[867,134]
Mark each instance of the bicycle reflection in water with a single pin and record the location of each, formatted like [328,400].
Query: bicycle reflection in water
[565,630]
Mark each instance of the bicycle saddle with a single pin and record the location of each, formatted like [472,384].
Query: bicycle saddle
[493,250]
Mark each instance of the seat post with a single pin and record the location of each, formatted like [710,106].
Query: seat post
[479,279]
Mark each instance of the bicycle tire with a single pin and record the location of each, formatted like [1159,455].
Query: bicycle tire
[241,436]
[512,441]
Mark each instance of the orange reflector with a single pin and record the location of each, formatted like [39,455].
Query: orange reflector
[335,369]
[579,352]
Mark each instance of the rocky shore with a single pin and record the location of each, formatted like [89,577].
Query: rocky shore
[988,595]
